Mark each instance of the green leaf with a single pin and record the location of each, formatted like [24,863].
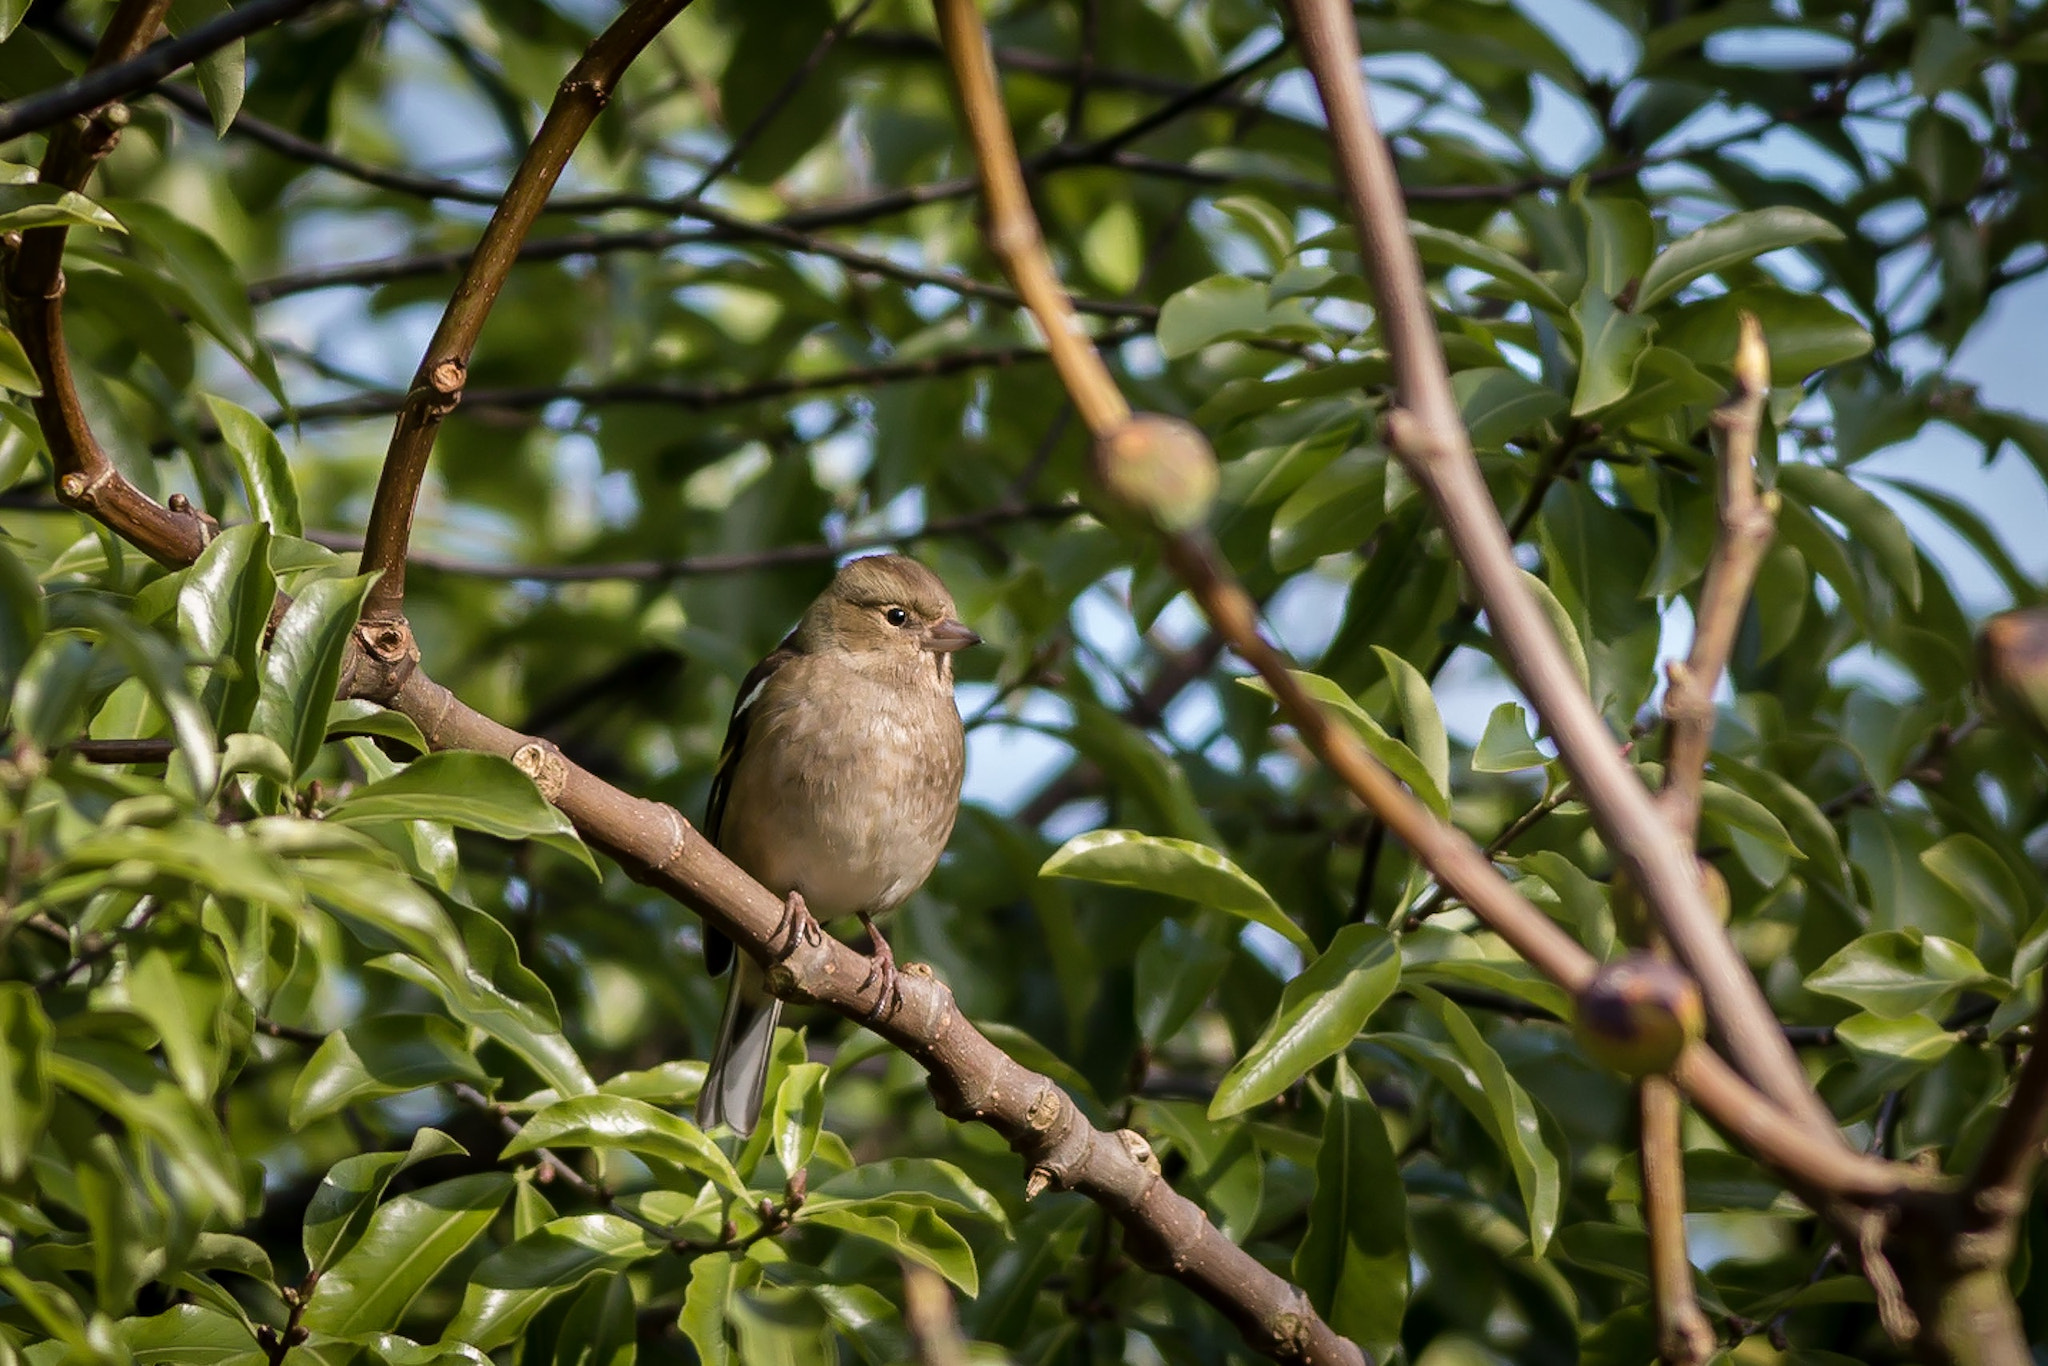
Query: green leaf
[16,371]
[1353,1260]
[1974,871]
[1500,404]
[1612,347]
[1335,509]
[479,792]
[797,1114]
[153,662]
[1420,720]
[1321,1011]
[632,1125]
[1895,973]
[1506,747]
[1561,622]
[1482,1083]
[1868,519]
[1731,241]
[222,72]
[266,474]
[1402,761]
[41,206]
[129,1085]
[190,1333]
[1228,308]
[22,619]
[704,1318]
[178,261]
[1805,332]
[347,1196]
[360,716]
[513,1284]
[385,1055]
[411,1239]
[25,1036]
[303,666]
[12,12]
[224,611]
[1442,247]
[178,980]
[1619,239]
[1171,867]
[912,1230]
[915,1180]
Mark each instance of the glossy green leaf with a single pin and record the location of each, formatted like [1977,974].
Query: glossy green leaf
[16,372]
[1506,746]
[1171,867]
[1227,308]
[629,1125]
[267,478]
[1869,521]
[384,1055]
[928,1180]
[40,206]
[25,1036]
[303,666]
[909,1229]
[1440,246]
[411,1239]
[1397,757]
[797,1114]
[472,791]
[1500,404]
[512,1285]
[222,73]
[1321,1012]
[1353,1260]
[1894,973]
[223,613]
[1727,242]
[1612,348]
[359,716]
[347,1196]
[1805,333]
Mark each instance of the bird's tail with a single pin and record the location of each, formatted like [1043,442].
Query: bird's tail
[738,1075]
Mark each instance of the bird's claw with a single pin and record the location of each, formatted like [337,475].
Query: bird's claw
[798,925]
[883,965]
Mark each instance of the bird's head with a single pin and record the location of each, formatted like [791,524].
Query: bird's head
[886,610]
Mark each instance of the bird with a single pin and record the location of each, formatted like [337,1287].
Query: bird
[836,788]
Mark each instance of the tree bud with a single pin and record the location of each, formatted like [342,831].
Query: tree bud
[2012,669]
[1161,468]
[1637,1015]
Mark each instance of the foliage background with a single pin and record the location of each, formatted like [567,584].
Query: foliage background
[178,956]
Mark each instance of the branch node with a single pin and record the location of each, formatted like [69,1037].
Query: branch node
[1139,1149]
[543,762]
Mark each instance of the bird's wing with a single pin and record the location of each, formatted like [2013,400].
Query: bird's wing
[717,948]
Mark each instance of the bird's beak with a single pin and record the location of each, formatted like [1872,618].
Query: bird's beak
[942,638]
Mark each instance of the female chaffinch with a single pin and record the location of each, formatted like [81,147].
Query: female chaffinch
[837,786]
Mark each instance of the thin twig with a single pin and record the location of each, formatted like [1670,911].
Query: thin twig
[105,83]
[698,566]
[444,370]
[747,136]
[1997,1191]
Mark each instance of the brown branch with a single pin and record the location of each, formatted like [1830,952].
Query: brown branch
[1997,1192]
[726,227]
[119,77]
[1426,431]
[34,285]
[1819,1160]
[697,566]
[437,386]
[1748,521]
[1684,1335]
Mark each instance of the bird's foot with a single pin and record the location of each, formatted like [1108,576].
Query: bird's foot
[883,959]
[798,926]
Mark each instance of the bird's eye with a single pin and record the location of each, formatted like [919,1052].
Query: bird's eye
[896,616]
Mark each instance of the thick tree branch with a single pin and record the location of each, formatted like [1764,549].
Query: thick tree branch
[438,384]
[2004,1177]
[135,71]
[86,478]
[1426,431]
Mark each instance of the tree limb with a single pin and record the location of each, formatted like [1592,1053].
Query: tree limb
[114,79]
[1426,431]
[437,386]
